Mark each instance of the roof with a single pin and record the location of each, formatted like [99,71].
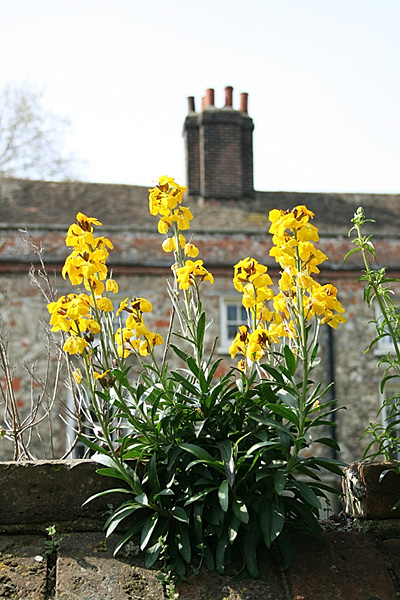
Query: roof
[55,204]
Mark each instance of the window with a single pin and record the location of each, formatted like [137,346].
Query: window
[233,314]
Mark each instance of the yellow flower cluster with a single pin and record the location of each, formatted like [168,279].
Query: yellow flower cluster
[135,337]
[165,201]
[293,237]
[300,297]
[87,261]
[80,315]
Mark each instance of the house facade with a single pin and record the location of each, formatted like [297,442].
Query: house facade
[230,223]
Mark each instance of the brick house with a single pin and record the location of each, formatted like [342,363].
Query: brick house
[230,222]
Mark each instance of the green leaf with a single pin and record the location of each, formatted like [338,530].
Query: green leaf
[179,514]
[152,554]
[223,495]
[147,530]
[351,252]
[105,460]
[91,444]
[240,510]
[271,423]
[306,516]
[331,464]
[166,492]
[290,360]
[198,521]
[113,491]
[208,557]
[197,451]
[280,478]
[201,326]
[272,519]
[186,384]
[250,544]
[119,516]
[152,473]
[110,472]
[222,545]
[226,450]
[191,363]
[286,549]
[328,442]
[200,494]
[233,530]
[128,535]
[183,542]
[306,493]
[285,412]
[142,499]
[182,355]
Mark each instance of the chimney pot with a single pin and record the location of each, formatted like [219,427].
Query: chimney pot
[228,95]
[243,102]
[209,98]
[191,105]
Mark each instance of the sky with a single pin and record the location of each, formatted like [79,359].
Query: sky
[323,78]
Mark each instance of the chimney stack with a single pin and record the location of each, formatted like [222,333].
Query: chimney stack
[243,102]
[219,148]
[228,96]
[209,98]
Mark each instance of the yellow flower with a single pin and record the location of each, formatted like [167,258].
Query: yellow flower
[141,304]
[101,375]
[77,376]
[93,326]
[182,216]
[247,271]
[104,304]
[165,196]
[191,250]
[333,320]
[75,345]
[169,244]
[186,276]
[240,342]
[122,306]
[112,286]
[86,222]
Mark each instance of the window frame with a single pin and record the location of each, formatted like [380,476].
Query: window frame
[225,340]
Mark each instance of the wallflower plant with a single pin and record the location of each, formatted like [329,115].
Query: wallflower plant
[211,467]
[384,438]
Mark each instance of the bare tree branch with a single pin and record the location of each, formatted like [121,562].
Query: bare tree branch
[31,137]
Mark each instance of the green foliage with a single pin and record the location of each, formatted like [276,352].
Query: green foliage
[384,438]
[53,543]
[217,464]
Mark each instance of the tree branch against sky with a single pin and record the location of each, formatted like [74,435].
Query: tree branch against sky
[32,137]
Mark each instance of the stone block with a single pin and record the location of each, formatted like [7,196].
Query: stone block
[349,566]
[22,567]
[57,489]
[86,569]
[208,585]
[367,494]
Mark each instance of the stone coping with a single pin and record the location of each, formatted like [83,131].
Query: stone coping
[46,491]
